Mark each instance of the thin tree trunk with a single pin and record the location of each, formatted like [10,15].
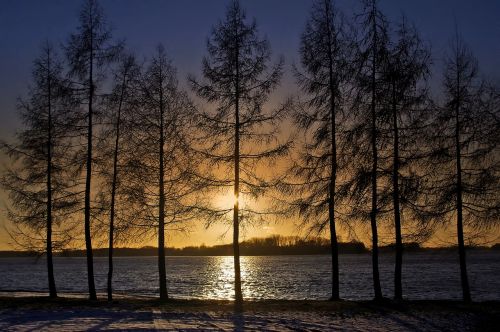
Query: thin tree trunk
[238,295]
[331,215]
[460,230]
[333,175]
[111,234]
[88,239]
[50,264]
[398,288]
[373,215]
[113,193]
[161,224]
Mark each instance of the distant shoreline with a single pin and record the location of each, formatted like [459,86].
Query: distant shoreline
[225,250]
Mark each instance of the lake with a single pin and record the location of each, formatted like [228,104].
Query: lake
[425,276]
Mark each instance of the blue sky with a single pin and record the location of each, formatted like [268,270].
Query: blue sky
[182,26]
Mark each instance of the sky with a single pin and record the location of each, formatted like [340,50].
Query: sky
[183,26]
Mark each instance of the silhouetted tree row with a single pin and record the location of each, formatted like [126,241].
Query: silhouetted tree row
[120,147]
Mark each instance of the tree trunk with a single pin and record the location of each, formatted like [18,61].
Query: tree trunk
[333,172]
[88,239]
[373,215]
[161,224]
[113,194]
[460,232]
[398,288]
[50,264]
[333,232]
[238,295]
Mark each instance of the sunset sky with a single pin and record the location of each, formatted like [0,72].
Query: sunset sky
[183,26]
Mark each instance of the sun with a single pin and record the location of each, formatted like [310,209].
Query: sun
[227,200]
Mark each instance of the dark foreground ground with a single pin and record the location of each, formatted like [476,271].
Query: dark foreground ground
[76,314]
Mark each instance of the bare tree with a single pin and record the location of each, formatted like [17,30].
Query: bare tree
[39,182]
[365,131]
[162,181]
[115,141]
[88,51]
[325,57]
[241,133]
[406,119]
[467,138]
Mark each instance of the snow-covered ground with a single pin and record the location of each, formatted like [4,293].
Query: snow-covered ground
[79,315]
[106,319]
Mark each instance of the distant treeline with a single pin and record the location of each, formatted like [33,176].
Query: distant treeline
[274,245]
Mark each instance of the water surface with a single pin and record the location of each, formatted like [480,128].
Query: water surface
[425,276]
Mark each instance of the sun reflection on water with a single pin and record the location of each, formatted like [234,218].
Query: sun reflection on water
[222,274]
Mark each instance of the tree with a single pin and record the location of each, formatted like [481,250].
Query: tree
[88,51]
[406,118]
[468,182]
[39,184]
[115,141]
[325,59]
[365,131]
[242,134]
[162,182]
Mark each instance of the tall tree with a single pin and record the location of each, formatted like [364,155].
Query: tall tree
[88,51]
[467,134]
[325,59]
[39,183]
[372,52]
[238,79]
[406,115]
[162,163]
[115,141]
